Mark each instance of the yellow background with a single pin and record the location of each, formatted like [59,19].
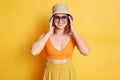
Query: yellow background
[23,21]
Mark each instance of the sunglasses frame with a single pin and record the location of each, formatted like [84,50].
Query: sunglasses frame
[66,14]
[63,18]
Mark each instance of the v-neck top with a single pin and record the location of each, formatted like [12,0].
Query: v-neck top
[54,53]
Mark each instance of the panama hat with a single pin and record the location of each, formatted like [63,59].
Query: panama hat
[60,8]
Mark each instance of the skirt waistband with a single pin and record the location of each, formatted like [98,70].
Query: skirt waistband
[59,66]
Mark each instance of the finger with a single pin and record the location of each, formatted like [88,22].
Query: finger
[51,20]
[70,18]
[50,23]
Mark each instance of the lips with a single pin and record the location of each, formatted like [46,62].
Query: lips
[60,24]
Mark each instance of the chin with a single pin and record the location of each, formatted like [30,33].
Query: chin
[60,27]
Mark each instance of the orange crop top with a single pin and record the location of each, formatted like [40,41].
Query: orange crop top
[65,53]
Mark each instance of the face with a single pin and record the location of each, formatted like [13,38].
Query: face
[60,20]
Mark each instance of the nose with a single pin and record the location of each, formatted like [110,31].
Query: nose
[60,20]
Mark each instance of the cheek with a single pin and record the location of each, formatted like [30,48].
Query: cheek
[55,23]
[65,23]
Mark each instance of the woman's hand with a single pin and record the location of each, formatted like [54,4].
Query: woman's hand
[80,43]
[51,27]
[71,24]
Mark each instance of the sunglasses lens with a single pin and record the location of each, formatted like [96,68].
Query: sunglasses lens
[64,18]
[56,17]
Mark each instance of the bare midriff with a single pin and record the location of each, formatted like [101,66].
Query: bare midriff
[58,61]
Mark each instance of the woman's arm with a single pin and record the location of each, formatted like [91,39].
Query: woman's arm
[39,45]
[80,43]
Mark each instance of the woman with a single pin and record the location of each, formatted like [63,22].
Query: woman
[59,43]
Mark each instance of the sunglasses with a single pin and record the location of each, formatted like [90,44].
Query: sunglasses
[63,18]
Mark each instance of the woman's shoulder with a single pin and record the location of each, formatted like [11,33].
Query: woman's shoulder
[72,37]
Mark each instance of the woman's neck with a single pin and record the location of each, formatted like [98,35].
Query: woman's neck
[59,32]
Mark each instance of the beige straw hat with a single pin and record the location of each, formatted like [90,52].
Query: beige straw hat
[61,8]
